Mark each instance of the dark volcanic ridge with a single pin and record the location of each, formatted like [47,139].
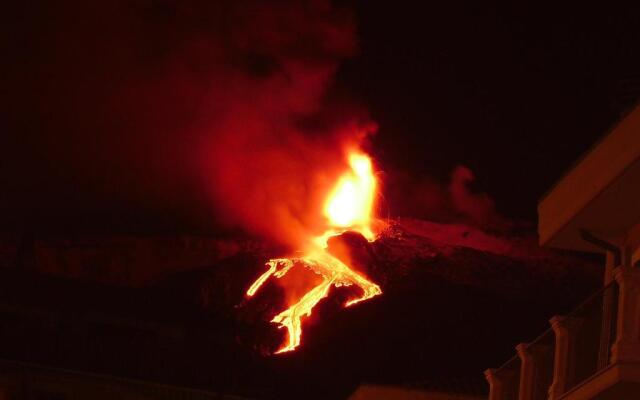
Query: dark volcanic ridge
[456,300]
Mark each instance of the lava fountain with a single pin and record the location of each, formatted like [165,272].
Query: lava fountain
[348,207]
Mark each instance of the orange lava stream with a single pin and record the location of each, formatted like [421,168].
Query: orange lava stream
[349,207]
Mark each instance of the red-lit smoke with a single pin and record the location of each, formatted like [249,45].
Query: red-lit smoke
[276,146]
[140,115]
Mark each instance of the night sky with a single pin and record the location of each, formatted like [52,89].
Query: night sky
[88,132]
[224,119]
[515,93]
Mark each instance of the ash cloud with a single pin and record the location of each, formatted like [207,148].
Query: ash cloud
[279,145]
[148,115]
[451,202]
[145,116]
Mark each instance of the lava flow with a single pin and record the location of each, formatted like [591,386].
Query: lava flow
[349,207]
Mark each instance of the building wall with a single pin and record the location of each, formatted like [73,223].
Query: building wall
[633,244]
[380,392]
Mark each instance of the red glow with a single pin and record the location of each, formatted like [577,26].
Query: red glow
[349,206]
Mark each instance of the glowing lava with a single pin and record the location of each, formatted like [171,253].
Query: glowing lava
[349,207]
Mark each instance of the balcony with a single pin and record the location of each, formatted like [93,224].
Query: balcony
[591,353]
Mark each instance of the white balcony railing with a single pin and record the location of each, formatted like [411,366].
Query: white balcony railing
[583,354]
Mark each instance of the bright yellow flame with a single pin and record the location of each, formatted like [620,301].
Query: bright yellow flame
[351,203]
[348,207]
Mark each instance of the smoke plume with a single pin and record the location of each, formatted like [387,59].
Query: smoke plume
[277,145]
[155,114]
[453,201]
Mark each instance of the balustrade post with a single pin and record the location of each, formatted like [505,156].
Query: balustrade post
[531,365]
[498,382]
[565,354]
[627,345]
[527,372]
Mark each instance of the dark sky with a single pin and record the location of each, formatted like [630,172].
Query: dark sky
[516,94]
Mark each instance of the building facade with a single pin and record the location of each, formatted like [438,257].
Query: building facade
[594,351]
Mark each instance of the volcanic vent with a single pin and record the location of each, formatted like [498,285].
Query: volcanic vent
[349,207]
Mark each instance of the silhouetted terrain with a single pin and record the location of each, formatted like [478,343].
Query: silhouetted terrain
[456,301]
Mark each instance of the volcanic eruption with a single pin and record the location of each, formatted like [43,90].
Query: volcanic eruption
[349,207]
